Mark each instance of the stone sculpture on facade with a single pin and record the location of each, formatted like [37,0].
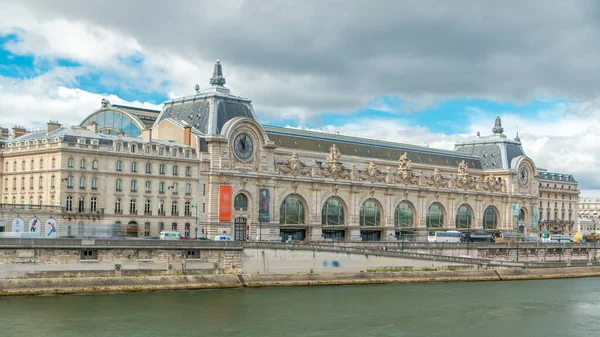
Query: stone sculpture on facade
[294,166]
[463,179]
[405,175]
[105,104]
[437,179]
[492,183]
[371,173]
[333,168]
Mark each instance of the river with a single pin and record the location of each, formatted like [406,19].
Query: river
[560,308]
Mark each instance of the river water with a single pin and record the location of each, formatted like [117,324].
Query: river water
[561,308]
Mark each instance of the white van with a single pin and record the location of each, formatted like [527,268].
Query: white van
[222,238]
[170,235]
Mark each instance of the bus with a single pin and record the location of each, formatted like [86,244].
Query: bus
[448,236]
[560,238]
[169,235]
[509,237]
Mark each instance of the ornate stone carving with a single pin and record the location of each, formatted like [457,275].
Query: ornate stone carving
[404,162]
[294,166]
[463,168]
[372,173]
[333,168]
[105,104]
[334,154]
[492,183]
[437,179]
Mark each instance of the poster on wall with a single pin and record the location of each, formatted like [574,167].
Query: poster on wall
[516,210]
[51,228]
[264,201]
[224,203]
[535,218]
[34,226]
[18,225]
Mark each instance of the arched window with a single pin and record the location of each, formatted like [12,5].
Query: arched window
[95,165]
[119,165]
[490,218]
[82,164]
[133,166]
[148,186]
[435,216]
[188,189]
[240,203]
[70,182]
[134,186]
[161,169]
[291,211]
[463,217]
[70,162]
[118,185]
[161,187]
[403,215]
[148,168]
[82,183]
[94,183]
[370,214]
[41,164]
[332,212]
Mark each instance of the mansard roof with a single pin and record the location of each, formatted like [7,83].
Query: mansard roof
[369,148]
[208,111]
[556,177]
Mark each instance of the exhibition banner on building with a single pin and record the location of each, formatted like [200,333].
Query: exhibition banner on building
[224,203]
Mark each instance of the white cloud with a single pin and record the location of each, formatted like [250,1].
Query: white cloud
[294,65]
[32,102]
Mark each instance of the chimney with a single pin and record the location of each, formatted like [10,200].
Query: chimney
[147,135]
[18,131]
[187,135]
[53,126]
[93,126]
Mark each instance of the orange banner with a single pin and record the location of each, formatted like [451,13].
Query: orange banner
[224,203]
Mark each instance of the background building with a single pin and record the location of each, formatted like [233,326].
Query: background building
[206,159]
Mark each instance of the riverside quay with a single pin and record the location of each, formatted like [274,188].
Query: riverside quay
[205,166]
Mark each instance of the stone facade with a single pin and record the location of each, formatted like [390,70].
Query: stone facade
[248,181]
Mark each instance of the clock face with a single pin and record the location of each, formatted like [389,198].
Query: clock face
[523,176]
[243,146]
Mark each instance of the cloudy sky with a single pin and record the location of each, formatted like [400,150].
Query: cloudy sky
[421,72]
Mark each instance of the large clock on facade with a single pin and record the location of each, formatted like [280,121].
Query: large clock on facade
[243,146]
[523,176]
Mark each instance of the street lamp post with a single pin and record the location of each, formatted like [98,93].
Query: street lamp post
[196,228]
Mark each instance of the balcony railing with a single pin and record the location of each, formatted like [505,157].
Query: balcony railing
[161,213]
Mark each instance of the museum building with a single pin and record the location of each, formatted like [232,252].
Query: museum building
[204,165]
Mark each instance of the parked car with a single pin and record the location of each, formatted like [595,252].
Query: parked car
[222,238]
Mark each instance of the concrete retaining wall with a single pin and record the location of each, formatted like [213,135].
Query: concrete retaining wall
[104,284]
[277,261]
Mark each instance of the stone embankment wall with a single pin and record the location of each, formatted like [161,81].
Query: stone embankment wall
[498,251]
[106,258]
[144,283]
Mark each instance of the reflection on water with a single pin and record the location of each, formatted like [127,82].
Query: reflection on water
[520,308]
